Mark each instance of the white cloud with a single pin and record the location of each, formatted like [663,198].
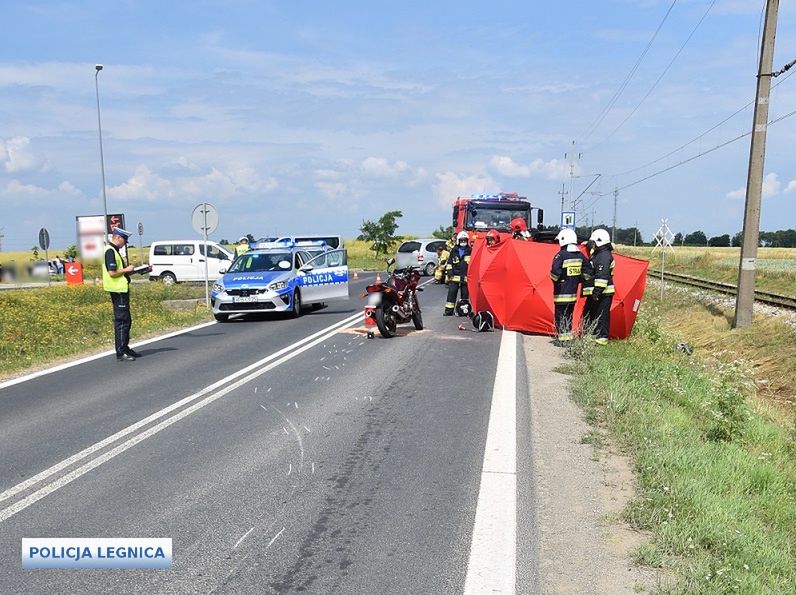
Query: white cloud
[69,189]
[450,185]
[771,187]
[328,174]
[379,167]
[15,189]
[791,186]
[16,154]
[555,169]
[147,185]
[332,190]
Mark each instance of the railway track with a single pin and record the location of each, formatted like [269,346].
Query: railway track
[763,297]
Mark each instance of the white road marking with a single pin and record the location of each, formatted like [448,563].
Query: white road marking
[274,539]
[96,356]
[259,368]
[308,430]
[289,468]
[493,552]
[245,535]
[264,407]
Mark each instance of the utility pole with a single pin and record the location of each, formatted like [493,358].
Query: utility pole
[616,196]
[563,193]
[1,239]
[744,301]
[635,234]
[573,157]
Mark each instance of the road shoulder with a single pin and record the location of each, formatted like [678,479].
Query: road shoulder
[583,546]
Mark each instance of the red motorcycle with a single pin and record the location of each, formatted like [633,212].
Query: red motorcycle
[394,301]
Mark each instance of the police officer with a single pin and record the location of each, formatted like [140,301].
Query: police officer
[600,291]
[442,260]
[568,266]
[456,270]
[243,246]
[116,281]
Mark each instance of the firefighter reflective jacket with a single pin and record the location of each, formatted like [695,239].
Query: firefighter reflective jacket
[566,273]
[443,260]
[602,267]
[458,260]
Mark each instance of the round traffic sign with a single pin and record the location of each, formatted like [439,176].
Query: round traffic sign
[204,218]
[44,239]
[140,228]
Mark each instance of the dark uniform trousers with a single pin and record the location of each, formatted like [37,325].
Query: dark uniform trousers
[598,310]
[122,320]
[455,287]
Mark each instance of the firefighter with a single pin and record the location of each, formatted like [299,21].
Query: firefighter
[442,260]
[519,229]
[492,238]
[566,272]
[600,291]
[456,271]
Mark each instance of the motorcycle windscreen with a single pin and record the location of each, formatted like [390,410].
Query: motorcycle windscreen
[325,278]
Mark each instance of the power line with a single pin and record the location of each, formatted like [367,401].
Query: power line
[658,80]
[593,126]
[695,139]
[702,154]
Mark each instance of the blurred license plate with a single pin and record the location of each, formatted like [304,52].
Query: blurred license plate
[248,298]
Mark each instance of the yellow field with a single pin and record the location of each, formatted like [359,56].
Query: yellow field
[776,267]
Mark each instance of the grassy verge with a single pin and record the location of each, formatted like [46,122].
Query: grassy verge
[715,455]
[360,256]
[776,267]
[40,326]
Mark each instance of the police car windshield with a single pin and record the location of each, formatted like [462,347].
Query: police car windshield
[253,262]
[494,217]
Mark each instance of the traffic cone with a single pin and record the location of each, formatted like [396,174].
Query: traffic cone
[378,277]
[356,275]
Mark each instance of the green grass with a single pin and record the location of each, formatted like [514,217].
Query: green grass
[776,267]
[716,474]
[44,325]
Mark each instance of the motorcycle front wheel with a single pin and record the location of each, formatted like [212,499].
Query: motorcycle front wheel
[386,322]
[417,318]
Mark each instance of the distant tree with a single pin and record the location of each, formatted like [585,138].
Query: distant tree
[697,238]
[443,233]
[628,236]
[71,252]
[678,239]
[224,242]
[381,233]
[722,241]
[35,251]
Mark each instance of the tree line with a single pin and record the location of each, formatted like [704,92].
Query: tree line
[782,238]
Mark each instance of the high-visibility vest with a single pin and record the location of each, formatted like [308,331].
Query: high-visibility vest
[118,284]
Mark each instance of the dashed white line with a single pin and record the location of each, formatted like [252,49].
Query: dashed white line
[245,535]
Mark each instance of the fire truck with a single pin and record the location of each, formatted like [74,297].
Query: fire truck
[478,213]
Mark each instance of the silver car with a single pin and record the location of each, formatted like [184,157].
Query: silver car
[419,253]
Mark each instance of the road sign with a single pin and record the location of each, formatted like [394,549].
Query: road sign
[568,220]
[140,228]
[204,218]
[663,240]
[44,239]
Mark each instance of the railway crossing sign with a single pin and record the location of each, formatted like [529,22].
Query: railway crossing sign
[663,239]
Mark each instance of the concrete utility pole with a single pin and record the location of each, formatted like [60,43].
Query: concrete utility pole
[563,193]
[616,196]
[744,301]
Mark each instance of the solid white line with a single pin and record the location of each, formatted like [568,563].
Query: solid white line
[105,457]
[91,358]
[166,410]
[493,552]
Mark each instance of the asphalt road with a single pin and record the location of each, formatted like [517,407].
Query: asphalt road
[281,456]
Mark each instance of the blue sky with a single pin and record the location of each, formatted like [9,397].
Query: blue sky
[312,116]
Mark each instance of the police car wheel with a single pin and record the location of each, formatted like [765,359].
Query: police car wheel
[296,311]
[221,317]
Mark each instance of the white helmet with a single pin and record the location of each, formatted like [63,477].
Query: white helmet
[243,239]
[566,237]
[462,235]
[600,237]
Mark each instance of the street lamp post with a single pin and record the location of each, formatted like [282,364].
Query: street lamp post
[98,67]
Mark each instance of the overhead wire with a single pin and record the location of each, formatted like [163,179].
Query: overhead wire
[606,110]
[658,80]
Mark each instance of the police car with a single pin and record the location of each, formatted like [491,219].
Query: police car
[280,278]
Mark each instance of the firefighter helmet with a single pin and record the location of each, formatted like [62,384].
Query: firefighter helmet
[463,308]
[493,235]
[518,225]
[600,237]
[566,237]
[483,321]
[462,235]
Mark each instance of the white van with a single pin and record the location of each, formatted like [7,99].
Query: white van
[173,261]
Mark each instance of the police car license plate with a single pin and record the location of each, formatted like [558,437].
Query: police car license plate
[247,298]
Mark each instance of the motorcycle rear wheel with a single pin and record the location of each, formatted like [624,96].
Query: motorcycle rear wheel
[386,323]
[417,318]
